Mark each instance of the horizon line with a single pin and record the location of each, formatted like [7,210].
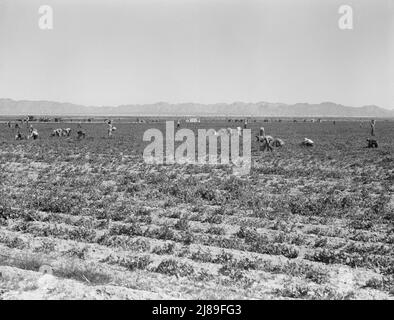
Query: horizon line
[190,102]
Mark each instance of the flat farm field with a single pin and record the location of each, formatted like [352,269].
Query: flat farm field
[306,223]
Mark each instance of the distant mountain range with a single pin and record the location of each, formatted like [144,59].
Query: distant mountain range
[259,109]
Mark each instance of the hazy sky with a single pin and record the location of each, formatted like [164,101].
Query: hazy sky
[143,51]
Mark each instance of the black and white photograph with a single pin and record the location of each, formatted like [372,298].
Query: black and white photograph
[197,150]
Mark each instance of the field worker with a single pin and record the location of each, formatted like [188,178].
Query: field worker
[81,134]
[307,142]
[18,136]
[34,134]
[16,126]
[278,143]
[245,123]
[67,132]
[372,143]
[111,128]
[372,127]
[9,124]
[56,133]
[178,124]
[265,141]
[31,129]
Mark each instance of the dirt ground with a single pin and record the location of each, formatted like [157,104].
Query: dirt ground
[305,223]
